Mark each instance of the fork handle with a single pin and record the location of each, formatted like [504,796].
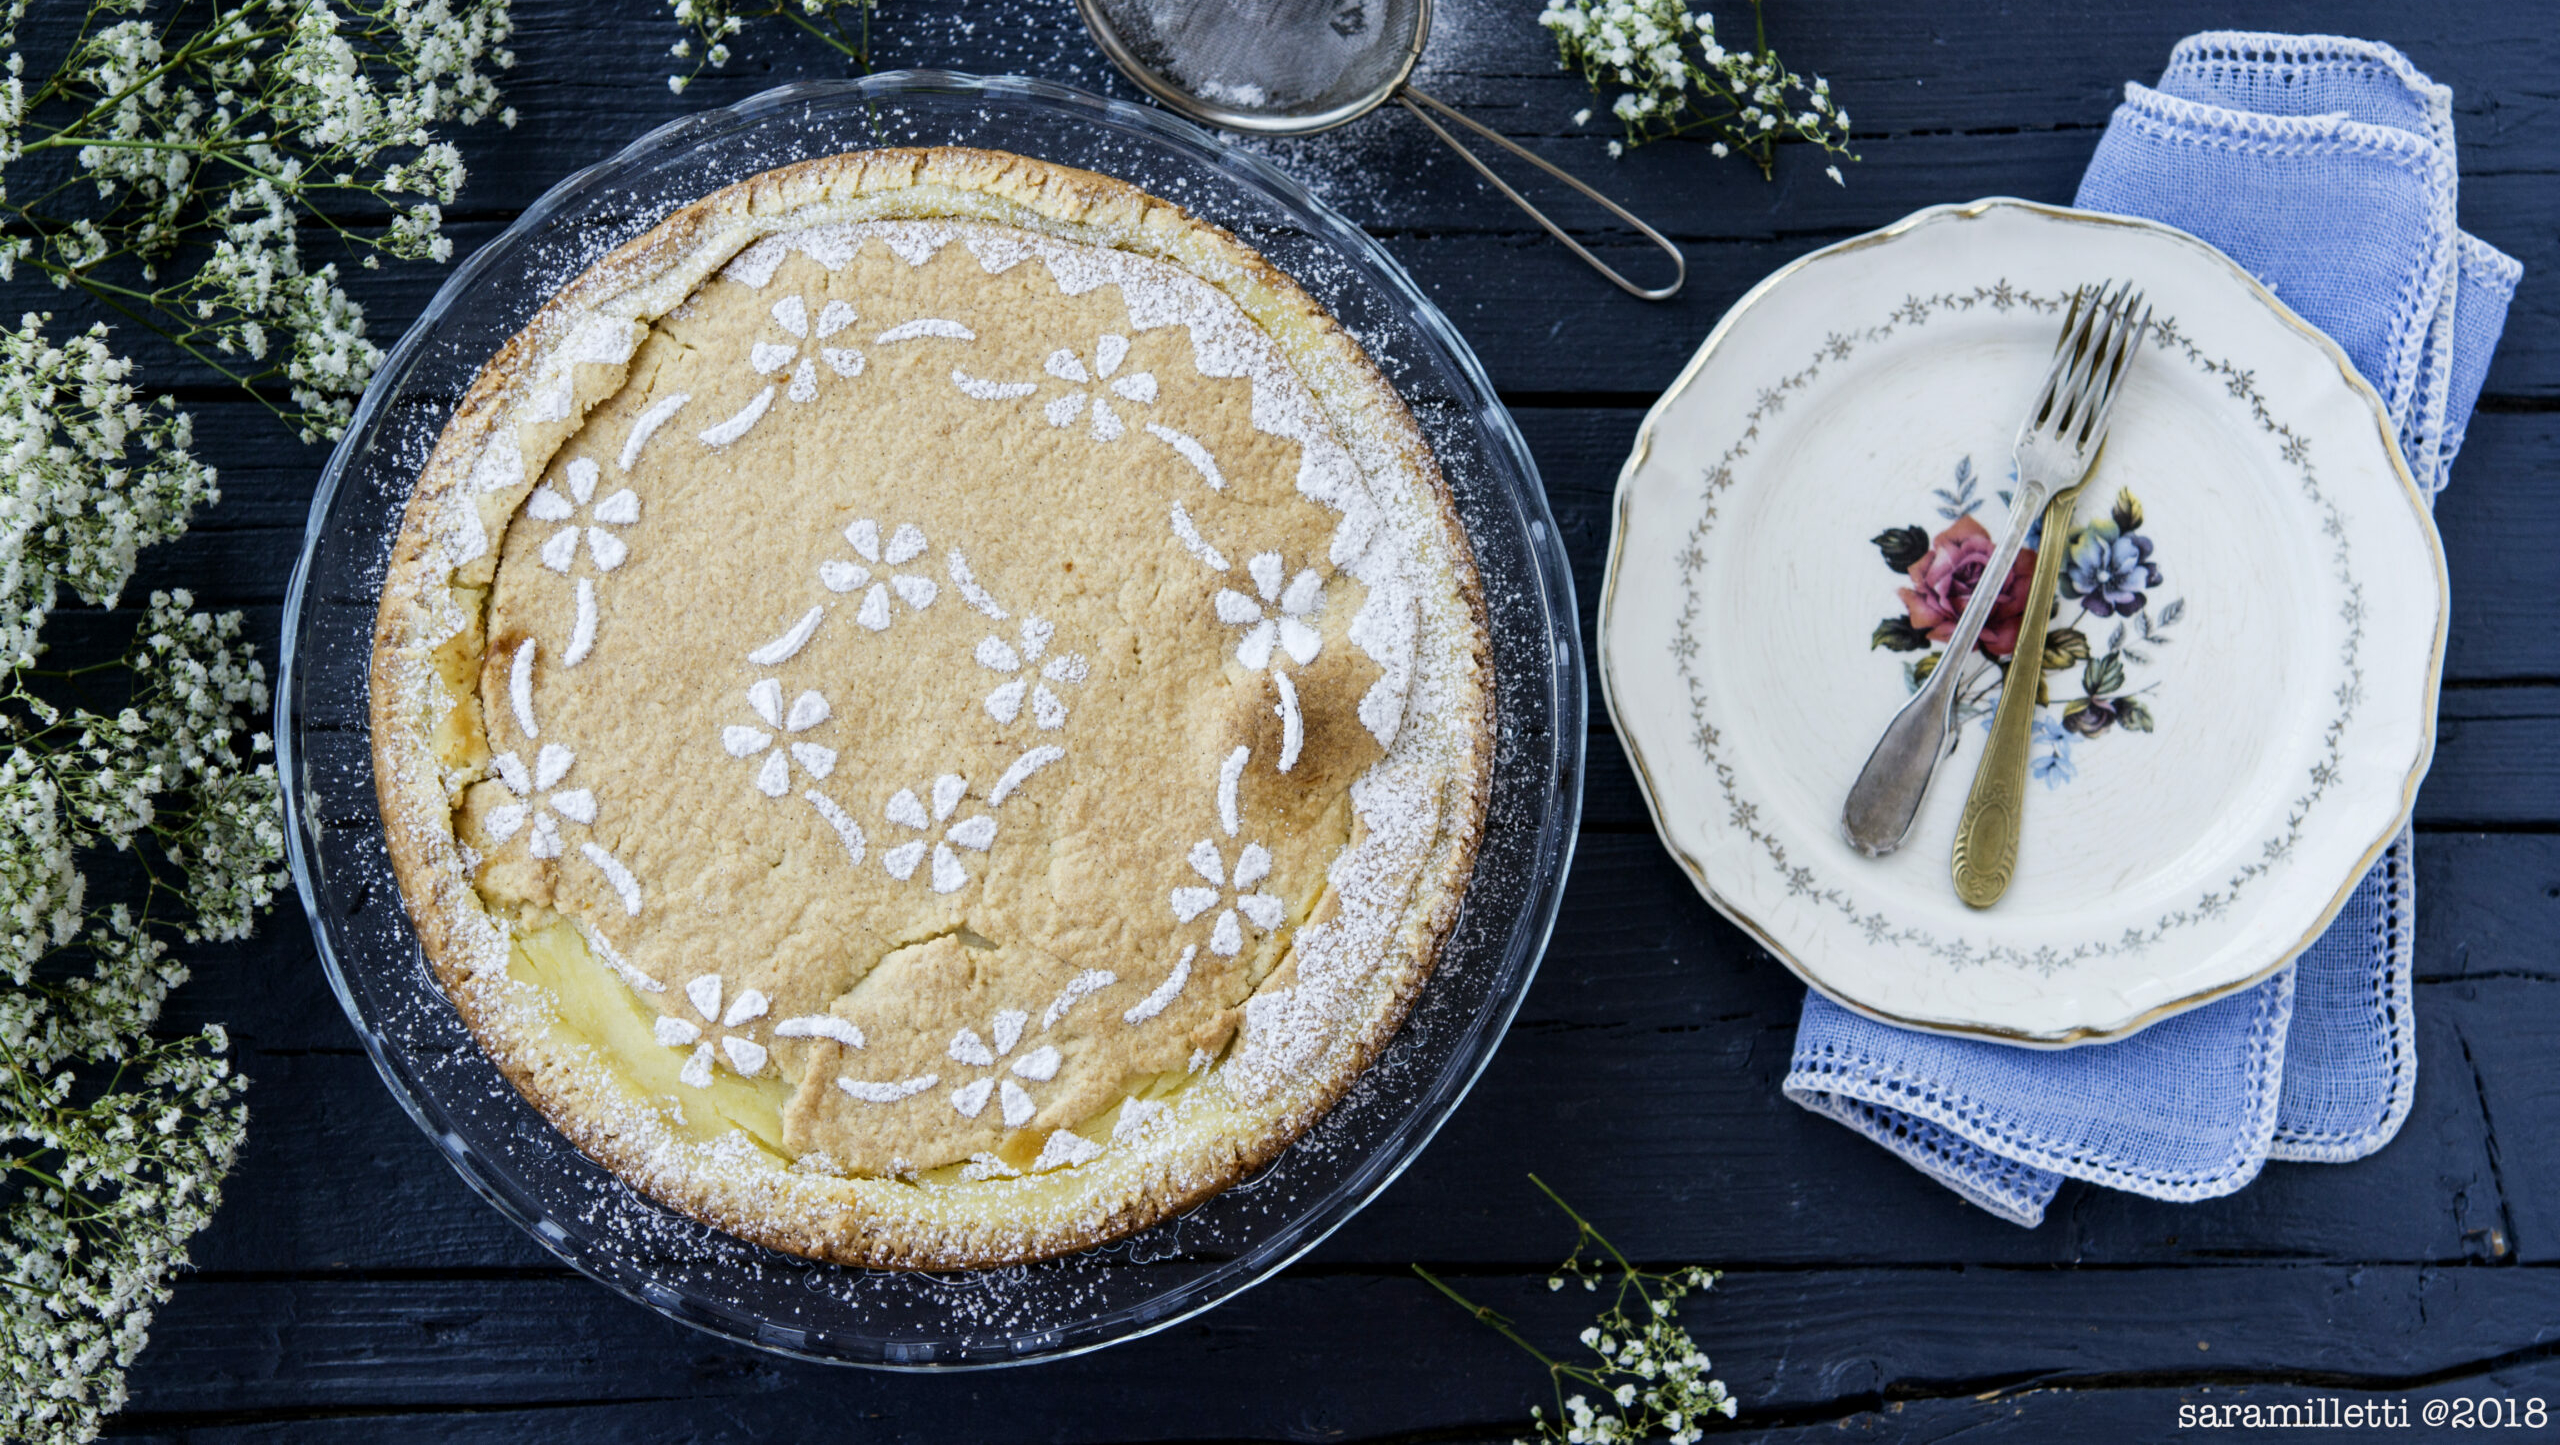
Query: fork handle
[1885,800]
[1986,854]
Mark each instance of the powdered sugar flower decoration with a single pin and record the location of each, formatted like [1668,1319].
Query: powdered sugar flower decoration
[1017,662]
[796,361]
[808,346]
[1108,352]
[745,1057]
[1282,616]
[606,550]
[1263,910]
[1005,1081]
[550,767]
[976,833]
[1102,373]
[621,509]
[743,740]
[543,803]
[892,579]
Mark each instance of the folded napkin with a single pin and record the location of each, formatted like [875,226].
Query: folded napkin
[2325,166]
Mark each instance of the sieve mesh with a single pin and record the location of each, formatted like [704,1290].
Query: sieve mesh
[1280,59]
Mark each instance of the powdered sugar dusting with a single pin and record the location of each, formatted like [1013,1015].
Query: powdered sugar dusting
[612,958]
[782,649]
[821,1026]
[849,831]
[925,326]
[876,1093]
[1318,1002]
[991,390]
[1188,532]
[1192,452]
[582,633]
[723,433]
[624,885]
[1082,986]
[1293,726]
[501,464]
[1230,773]
[646,425]
[970,592]
[1166,992]
[1021,771]
[520,689]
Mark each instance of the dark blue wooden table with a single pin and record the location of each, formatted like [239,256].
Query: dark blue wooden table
[354,1290]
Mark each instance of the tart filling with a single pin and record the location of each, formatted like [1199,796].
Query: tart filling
[930,710]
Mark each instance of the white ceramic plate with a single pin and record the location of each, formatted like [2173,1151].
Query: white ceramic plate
[2263,626]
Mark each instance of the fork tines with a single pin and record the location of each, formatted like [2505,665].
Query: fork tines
[2099,331]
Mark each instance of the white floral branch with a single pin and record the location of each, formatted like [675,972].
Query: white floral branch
[163,161]
[1675,77]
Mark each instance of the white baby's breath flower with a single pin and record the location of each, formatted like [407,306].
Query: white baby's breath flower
[205,138]
[1675,77]
[844,25]
[1649,1375]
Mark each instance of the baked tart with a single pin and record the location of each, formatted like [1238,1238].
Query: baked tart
[932,710]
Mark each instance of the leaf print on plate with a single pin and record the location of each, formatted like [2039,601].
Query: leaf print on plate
[2109,564]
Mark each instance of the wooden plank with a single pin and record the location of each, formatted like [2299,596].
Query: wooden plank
[1529,308]
[1908,1413]
[2497,764]
[2504,1044]
[2497,759]
[1647,997]
[2503,503]
[587,81]
[2488,905]
[1788,1341]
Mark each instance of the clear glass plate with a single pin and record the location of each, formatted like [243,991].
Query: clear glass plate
[697,1274]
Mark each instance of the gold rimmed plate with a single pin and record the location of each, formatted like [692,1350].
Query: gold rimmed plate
[2240,679]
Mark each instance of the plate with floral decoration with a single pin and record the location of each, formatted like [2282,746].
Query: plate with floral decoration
[2237,691]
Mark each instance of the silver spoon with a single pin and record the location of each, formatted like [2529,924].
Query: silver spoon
[1295,67]
[2057,444]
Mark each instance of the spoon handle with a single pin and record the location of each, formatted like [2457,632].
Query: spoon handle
[1986,855]
[1885,800]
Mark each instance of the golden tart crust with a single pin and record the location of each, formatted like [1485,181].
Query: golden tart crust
[932,710]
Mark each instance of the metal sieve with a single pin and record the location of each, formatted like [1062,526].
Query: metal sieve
[1294,67]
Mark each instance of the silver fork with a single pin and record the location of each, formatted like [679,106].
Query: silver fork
[2056,443]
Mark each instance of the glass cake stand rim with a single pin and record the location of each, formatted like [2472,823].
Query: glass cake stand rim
[1524,941]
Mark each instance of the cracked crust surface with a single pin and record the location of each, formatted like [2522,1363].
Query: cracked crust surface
[951,1020]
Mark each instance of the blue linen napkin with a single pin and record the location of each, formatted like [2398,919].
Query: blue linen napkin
[2325,166]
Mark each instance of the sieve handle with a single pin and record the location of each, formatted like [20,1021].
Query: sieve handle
[1407,96]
